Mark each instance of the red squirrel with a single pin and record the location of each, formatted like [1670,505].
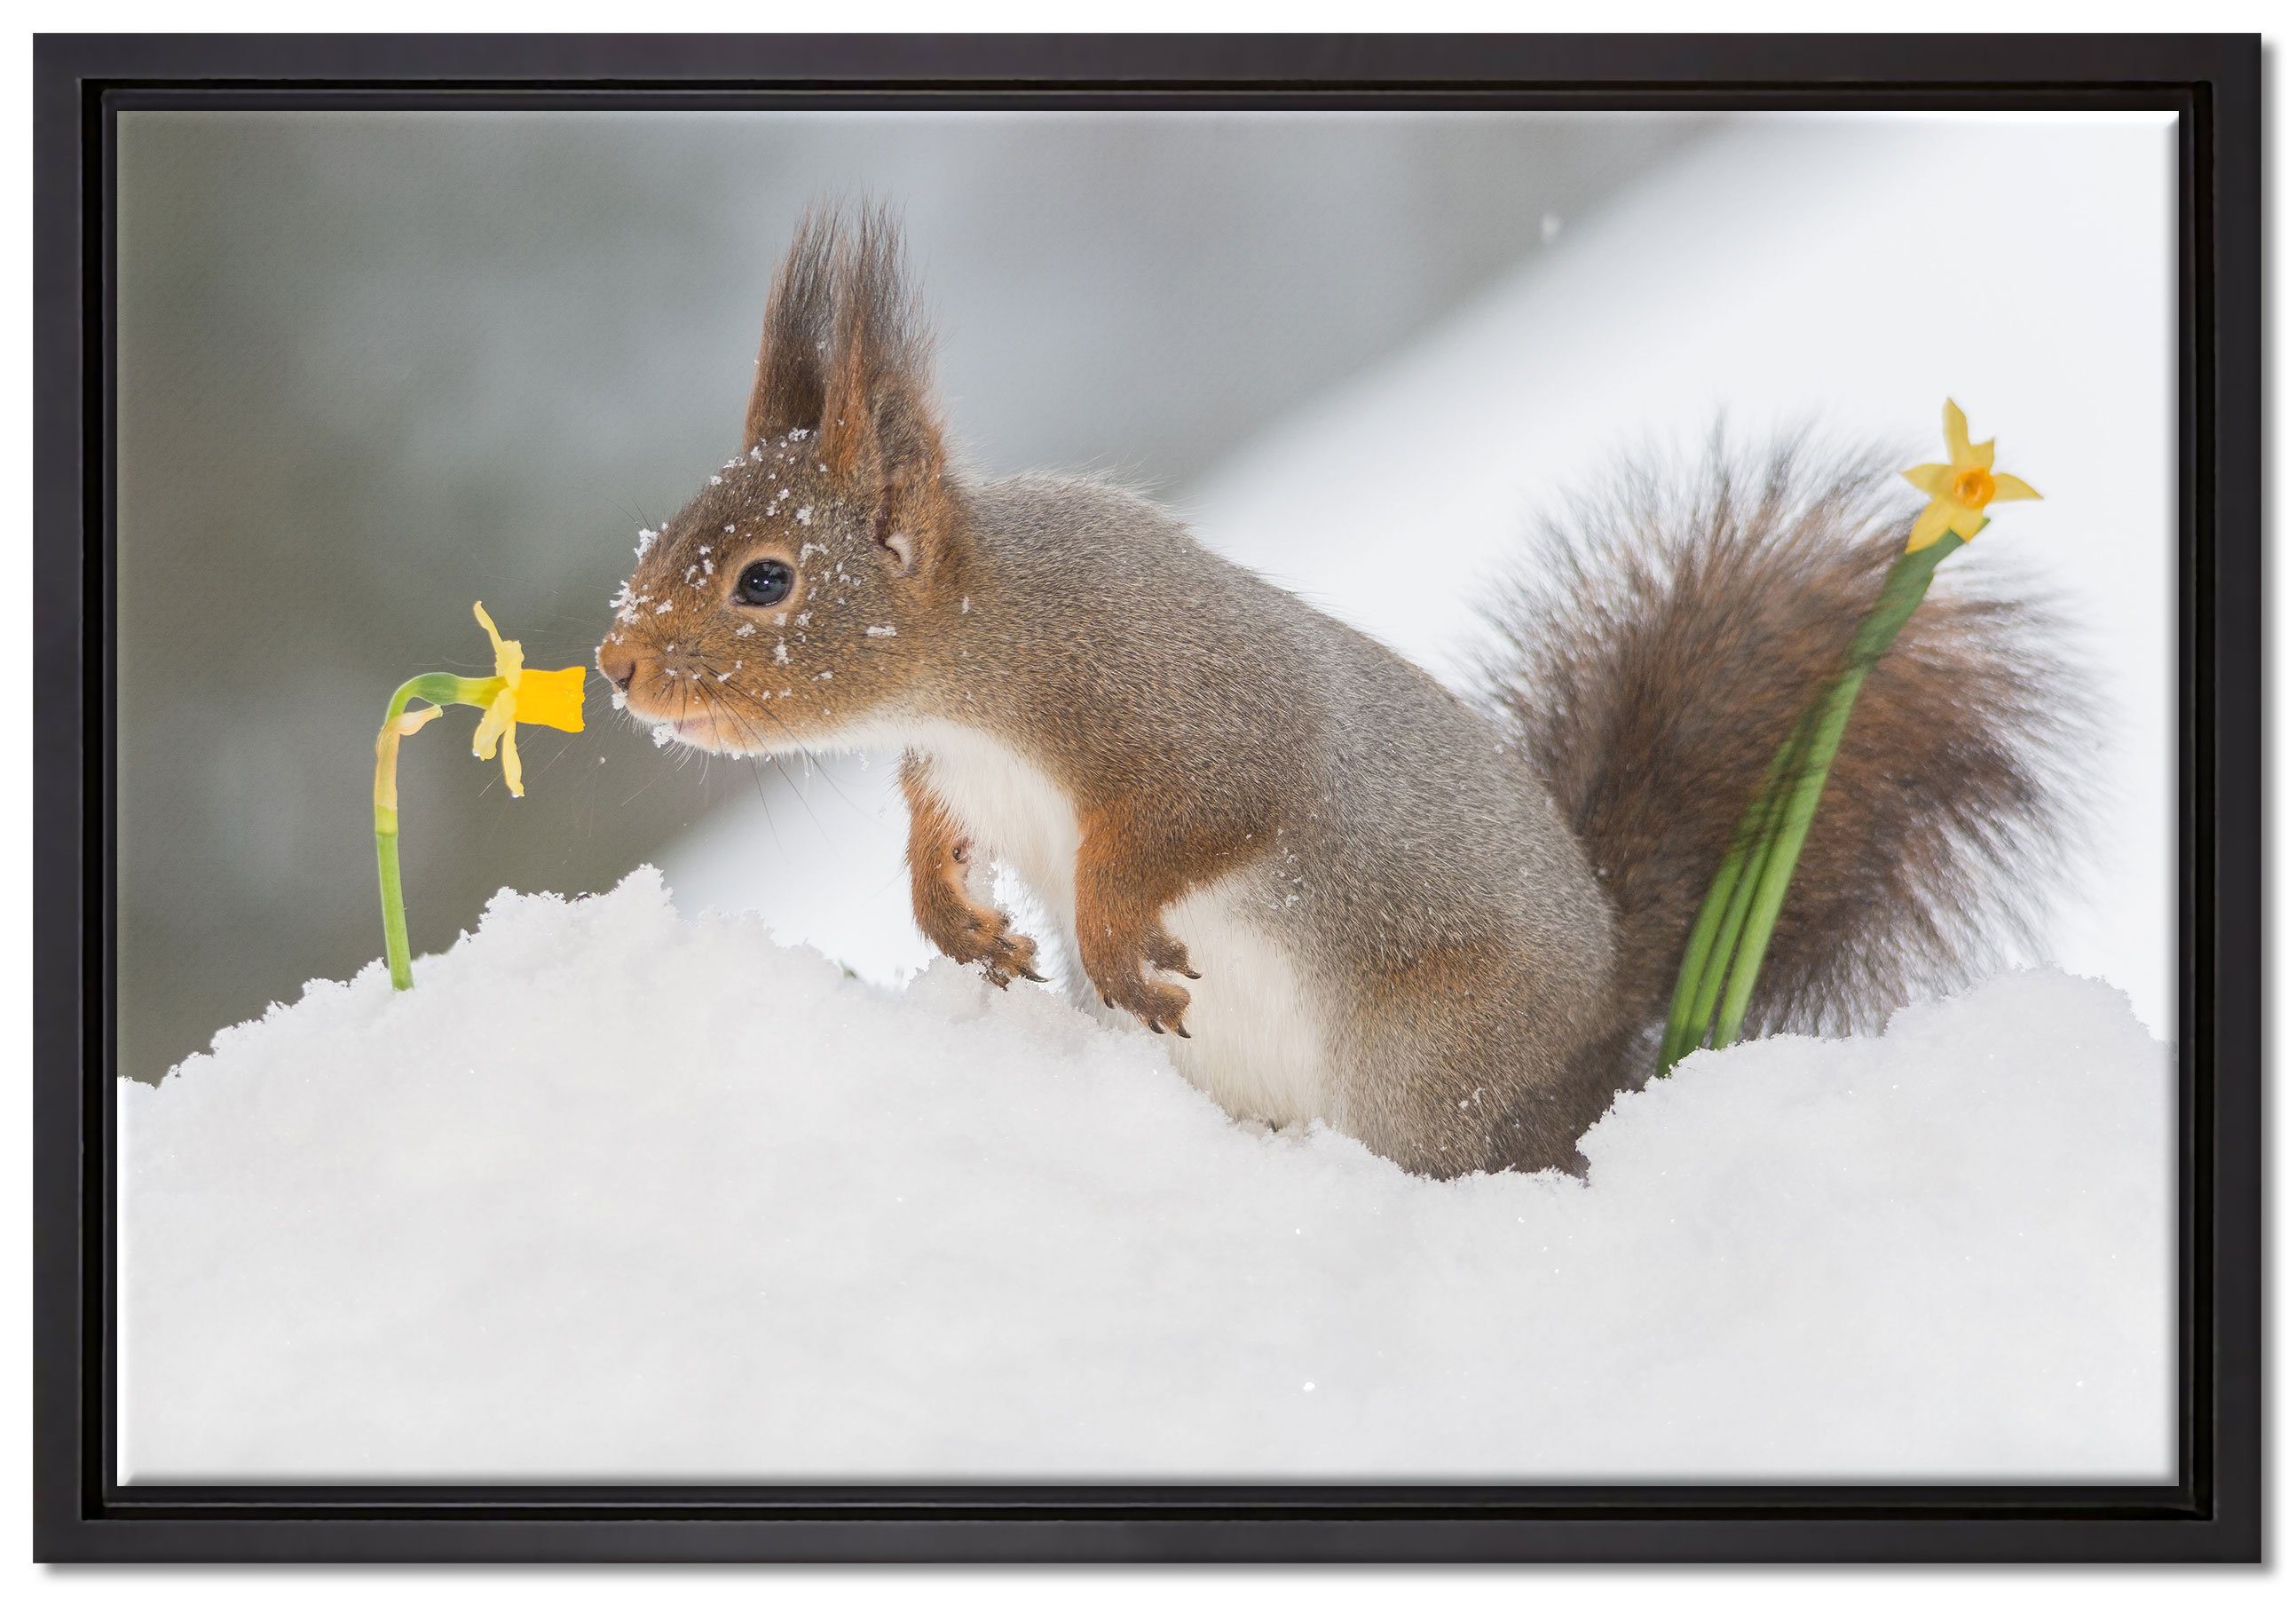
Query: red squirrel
[1338,890]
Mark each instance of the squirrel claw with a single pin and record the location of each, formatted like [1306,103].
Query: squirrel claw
[1158,1006]
[986,939]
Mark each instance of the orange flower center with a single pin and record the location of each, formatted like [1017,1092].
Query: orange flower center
[1974,486]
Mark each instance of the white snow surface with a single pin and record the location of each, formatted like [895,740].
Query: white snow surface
[613,1193]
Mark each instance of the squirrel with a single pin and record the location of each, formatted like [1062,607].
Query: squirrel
[1337,889]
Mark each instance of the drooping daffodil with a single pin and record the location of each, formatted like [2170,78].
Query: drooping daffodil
[511,696]
[1960,486]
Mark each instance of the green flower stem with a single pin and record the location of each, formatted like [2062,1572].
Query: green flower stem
[439,688]
[1723,913]
[1901,594]
[394,903]
[1741,912]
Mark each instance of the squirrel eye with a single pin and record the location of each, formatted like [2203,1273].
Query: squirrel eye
[764,582]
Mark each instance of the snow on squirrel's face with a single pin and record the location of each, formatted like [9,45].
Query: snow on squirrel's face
[767,615]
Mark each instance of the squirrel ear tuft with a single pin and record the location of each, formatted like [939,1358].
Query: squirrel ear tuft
[879,432]
[793,357]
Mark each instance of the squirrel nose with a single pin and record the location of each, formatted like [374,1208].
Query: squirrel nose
[618,662]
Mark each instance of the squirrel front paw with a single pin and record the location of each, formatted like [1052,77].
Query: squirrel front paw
[973,935]
[1117,975]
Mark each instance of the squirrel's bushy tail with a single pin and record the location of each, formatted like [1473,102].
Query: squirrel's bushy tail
[1654,657]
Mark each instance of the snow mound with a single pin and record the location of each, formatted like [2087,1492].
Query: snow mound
[617,1195]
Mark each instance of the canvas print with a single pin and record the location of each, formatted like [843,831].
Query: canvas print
[1157,796]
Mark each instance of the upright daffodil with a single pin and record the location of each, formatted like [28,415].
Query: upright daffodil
[1960,487]
[1724,955]
[511,696]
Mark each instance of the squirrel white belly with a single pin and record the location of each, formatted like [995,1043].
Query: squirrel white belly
[1254,1042]
[1447,928]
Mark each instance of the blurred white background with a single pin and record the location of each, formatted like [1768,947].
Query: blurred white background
[377,366]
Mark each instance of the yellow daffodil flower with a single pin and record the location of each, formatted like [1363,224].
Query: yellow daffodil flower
[1961,488]
[540,698]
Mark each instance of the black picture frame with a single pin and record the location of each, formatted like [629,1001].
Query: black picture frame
[2213,1511]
